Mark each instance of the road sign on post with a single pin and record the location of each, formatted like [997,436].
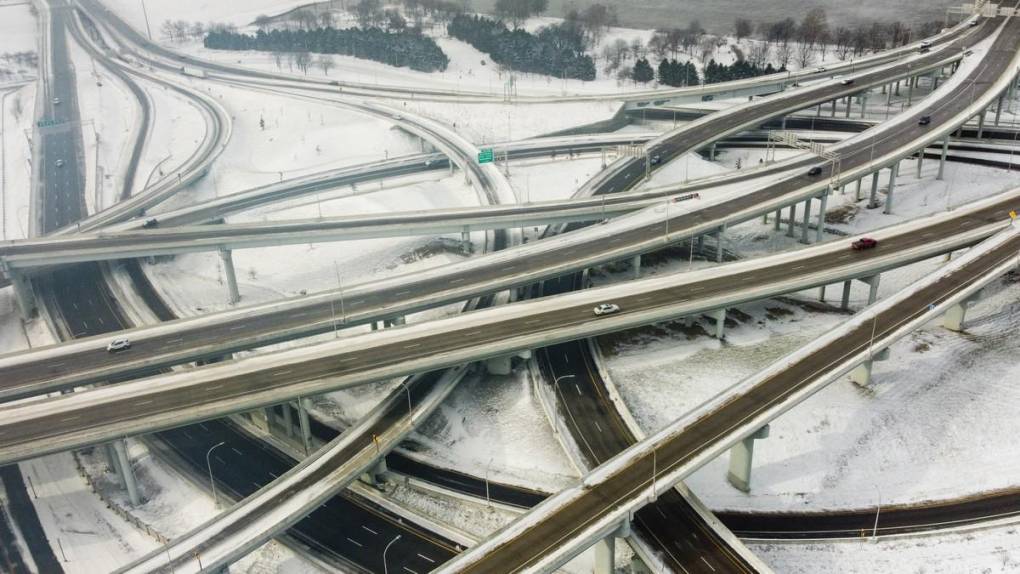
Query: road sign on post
[485,156]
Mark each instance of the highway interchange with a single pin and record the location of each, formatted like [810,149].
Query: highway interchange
[99,314]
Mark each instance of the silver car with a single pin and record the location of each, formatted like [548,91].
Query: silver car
[118,345]
[606,309]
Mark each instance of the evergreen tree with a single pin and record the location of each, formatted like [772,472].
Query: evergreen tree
[643,72]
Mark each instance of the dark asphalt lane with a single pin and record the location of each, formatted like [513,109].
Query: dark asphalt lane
[595,502]
[483,275]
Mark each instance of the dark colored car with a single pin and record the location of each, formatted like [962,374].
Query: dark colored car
[925,120]
[655,159]
[150,223]
[817,170]
[864,243]
[847,81]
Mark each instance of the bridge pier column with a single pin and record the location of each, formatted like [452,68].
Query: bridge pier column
[920,163]
[957,314]
[127,475]
[833,109]
[942,158]
[893,171]
[465,239]
[778,223]
[820,232]
[804,228]
[112,460]
[910,90]
[849,105]
[306,430]
[888,97]
[792,221]
[864,104]
[861,375]
[898,87]
[373,475]
[635,266]
[818,113]
[288,420]
[873,200]
[711,152]
[872,282]
[857,190]
[998,109]
[24,293]
[844,303]
[741,458]
[719,244]
[720,323]
[228,268]
[399,320]
[821,294]
[701,244]
[981,124]
[605,555]
[499,365]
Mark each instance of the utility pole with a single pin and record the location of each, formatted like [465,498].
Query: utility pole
[145,13]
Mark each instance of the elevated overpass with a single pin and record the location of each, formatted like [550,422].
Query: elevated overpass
[219,334]
[564,525]
[38,427]
[168,59]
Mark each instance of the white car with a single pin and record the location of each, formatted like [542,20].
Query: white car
[60,163]
[118,345]
[606,309]
[56,101]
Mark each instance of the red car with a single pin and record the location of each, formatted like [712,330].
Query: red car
[864,243]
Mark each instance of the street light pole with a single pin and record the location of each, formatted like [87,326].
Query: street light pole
[488,500]
[878,510]
[340,285]
[385,569]
[208,465]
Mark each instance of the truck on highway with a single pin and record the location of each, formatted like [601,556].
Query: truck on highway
[193,72]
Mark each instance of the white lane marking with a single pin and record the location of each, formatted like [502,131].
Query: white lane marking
[237,327]
[473,333]
[282,373]
[598,426]
[205,428]
[401,293]
[213,388]
[239,453]
[140,403]
[799,267]
[257,485]
[422,556]
[173,341]
[354,542]
[457,280]
[301,314]
[532,322]
[578,390]
[57,365]
[370,530]
[409,570]
[273,474]
[707,564]
[510,268]
[412,346]
[69,419]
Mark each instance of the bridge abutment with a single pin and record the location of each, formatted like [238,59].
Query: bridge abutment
[741,459]
[228,267]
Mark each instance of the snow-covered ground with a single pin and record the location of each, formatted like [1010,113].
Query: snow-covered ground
[835,449]
[18,120]
[984,551]
[18,30]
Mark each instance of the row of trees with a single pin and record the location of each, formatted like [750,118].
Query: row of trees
[182,30]
[555,50]
[787,40]
[402,49]
[739,70]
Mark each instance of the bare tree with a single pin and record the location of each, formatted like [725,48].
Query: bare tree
[759,53]
[262,22]
[302,60]
[325,62]
[843,41]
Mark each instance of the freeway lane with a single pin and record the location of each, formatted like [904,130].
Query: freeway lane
[678,447]
[227,332]
[92,416]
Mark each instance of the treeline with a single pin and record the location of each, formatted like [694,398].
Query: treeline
[407,48]
[715,73]
[677,74]
[555,50]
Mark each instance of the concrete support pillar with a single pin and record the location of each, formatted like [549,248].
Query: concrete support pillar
[849,105]
[701,244]
[942,158]
[792,221]
[605,555]
[719,244]
[873,282]
[465,237]
[998,109]
[873,200]
[635,266]
[818,113]
[857,191]
[833,108]
[820,232]
[741,459]
[898,87]
[861,375]
[398,321]
[864,104]
[228,269]
[711,152]
[920,162]
[720,323]
[805,225]
[954,317]
[844,303]
[499,365]
[821,294]
[910,91]
[374,475]
[112,460]
[24,293]
[127,475]
[777,224]
[981,124]
[288,419]
[893,171]
[306,430]
[888,98]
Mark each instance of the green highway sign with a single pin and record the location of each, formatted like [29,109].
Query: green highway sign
[46,123]
[485,156]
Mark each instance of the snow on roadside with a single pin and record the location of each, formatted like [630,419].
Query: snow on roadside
[986,550]
[19,119]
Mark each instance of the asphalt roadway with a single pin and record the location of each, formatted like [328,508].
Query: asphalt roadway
[482,275]
[530,545]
